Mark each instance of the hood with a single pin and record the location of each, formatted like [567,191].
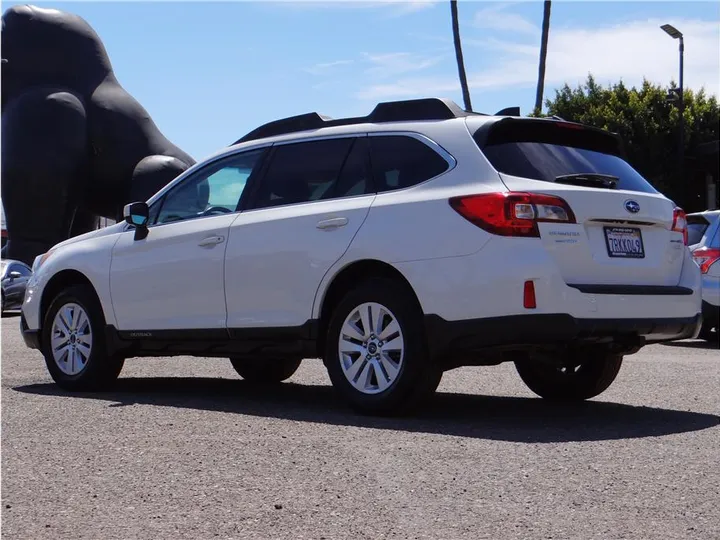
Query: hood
[105,231]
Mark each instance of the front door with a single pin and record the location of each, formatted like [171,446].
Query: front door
[173,279]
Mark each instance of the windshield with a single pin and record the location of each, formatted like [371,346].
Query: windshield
[543,161]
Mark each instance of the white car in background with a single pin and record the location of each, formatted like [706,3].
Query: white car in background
[704,240]
[395,247]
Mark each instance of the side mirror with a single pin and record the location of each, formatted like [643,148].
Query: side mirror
[137,215]
[14,274]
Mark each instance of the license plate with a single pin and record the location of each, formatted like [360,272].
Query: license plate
[624,242]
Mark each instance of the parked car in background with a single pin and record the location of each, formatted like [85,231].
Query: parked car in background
[15,275]
[3,230]
[704,243]
[396,247]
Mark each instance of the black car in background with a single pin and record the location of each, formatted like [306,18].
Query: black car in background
[15,275]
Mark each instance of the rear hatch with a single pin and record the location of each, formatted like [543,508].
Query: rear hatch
[624,229]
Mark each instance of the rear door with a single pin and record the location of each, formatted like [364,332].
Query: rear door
[301,218]
[623,231]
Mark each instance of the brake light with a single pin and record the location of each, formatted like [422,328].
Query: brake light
[512,214]
[568,125]
[680,223]
[705,257]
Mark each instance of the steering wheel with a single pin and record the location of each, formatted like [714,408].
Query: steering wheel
[216,209]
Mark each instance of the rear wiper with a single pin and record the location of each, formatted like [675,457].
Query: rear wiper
[589,179]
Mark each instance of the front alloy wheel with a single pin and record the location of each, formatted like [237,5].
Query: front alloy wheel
[73,341]
[575,379]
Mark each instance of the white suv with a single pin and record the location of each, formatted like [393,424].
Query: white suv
[395,246]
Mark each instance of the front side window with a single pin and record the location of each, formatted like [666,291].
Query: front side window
[400,161]
[303,172]
[215,190]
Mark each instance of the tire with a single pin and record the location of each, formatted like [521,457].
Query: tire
[265,371]
[590,378]
[91,368]
[711,319]
[415,377]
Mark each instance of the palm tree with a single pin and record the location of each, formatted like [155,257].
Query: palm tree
[543,56]
[459,55]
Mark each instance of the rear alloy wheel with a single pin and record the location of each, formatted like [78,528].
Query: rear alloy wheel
[73,342]
[264,370]
[375,353]
[572,381]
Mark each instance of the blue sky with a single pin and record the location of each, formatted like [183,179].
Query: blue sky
[210,72]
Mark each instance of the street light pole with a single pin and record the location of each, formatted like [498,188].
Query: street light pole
[676,34]
[681,106]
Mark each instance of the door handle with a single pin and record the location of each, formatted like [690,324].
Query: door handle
[332,223]
[211,241]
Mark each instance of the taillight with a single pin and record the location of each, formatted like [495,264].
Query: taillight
[512,214]
[680,223]
[705,257]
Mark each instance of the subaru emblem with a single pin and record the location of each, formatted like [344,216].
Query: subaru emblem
[632,206]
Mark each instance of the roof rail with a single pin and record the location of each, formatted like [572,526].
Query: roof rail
[392,111]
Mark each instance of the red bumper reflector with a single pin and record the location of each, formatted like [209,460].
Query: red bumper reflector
[529,295]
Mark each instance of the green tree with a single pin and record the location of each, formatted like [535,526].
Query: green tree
[648,123]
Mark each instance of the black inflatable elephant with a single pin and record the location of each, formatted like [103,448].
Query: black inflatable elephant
[75,145]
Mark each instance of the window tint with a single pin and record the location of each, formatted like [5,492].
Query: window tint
[543,161]
[696,232]
[303,172]
[212,191]
[14,267]
[401,161]
[715,242]
[354,177]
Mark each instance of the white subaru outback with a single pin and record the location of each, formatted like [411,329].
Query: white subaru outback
[395,247]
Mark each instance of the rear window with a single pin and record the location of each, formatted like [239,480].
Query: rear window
[547,150]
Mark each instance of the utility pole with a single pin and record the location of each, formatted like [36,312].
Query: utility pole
[543,56]
[459,55]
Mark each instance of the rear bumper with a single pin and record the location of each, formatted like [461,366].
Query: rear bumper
[30,337]
[527,331]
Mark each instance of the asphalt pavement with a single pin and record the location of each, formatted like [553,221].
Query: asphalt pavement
[183,448]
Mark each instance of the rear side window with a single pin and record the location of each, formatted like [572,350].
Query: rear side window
[540,153]
[307,171]
[697,225]
[399,161]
